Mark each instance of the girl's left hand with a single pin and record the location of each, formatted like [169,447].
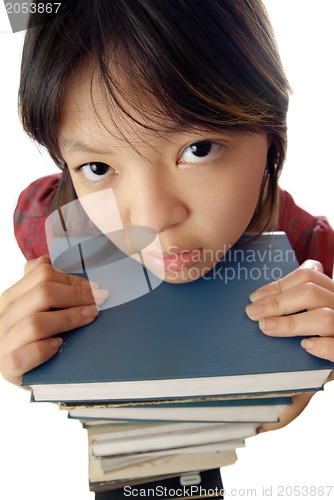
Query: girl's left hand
[277,307]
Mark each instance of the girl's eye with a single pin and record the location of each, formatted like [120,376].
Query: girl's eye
[97,170]
[201,151]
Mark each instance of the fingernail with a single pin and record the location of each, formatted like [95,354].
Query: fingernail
[254,310]
[307,344]
[56,342]
[100,295]
[268,324]
[89,312]
[258,295]
[90,284]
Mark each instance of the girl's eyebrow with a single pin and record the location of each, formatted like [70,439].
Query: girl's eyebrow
[72,146]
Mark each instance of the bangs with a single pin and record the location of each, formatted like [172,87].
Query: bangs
[211,81]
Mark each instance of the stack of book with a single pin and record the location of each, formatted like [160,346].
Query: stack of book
[137,450]
[175,380]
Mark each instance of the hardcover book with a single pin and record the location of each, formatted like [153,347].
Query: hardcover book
[236,410]
[179,341]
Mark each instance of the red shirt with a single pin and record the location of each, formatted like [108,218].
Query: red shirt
[311,237]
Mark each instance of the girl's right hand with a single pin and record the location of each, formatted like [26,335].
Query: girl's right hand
[34,311]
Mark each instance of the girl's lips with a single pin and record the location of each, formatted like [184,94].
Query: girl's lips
[174,261]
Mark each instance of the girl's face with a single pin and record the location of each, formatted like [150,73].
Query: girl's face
[197,189]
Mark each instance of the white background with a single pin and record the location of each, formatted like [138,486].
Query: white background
[42,454]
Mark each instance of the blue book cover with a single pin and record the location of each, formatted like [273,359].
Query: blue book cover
[186,340]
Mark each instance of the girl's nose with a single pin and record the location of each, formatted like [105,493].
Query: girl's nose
[154,202]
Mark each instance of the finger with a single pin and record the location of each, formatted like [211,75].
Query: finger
[306,296]
[61,276]
[27,357]
[299,402]
[312,264]
[315,322]
[30,265]
[39,273]
[309,272]
[330,377]
[43,325]
[322,347]
[46,296]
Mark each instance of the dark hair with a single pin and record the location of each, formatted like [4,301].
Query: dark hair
[209,63]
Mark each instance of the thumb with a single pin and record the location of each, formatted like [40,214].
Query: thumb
[32,264]
[313,264]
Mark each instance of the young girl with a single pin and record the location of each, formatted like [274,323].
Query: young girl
[180,109]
